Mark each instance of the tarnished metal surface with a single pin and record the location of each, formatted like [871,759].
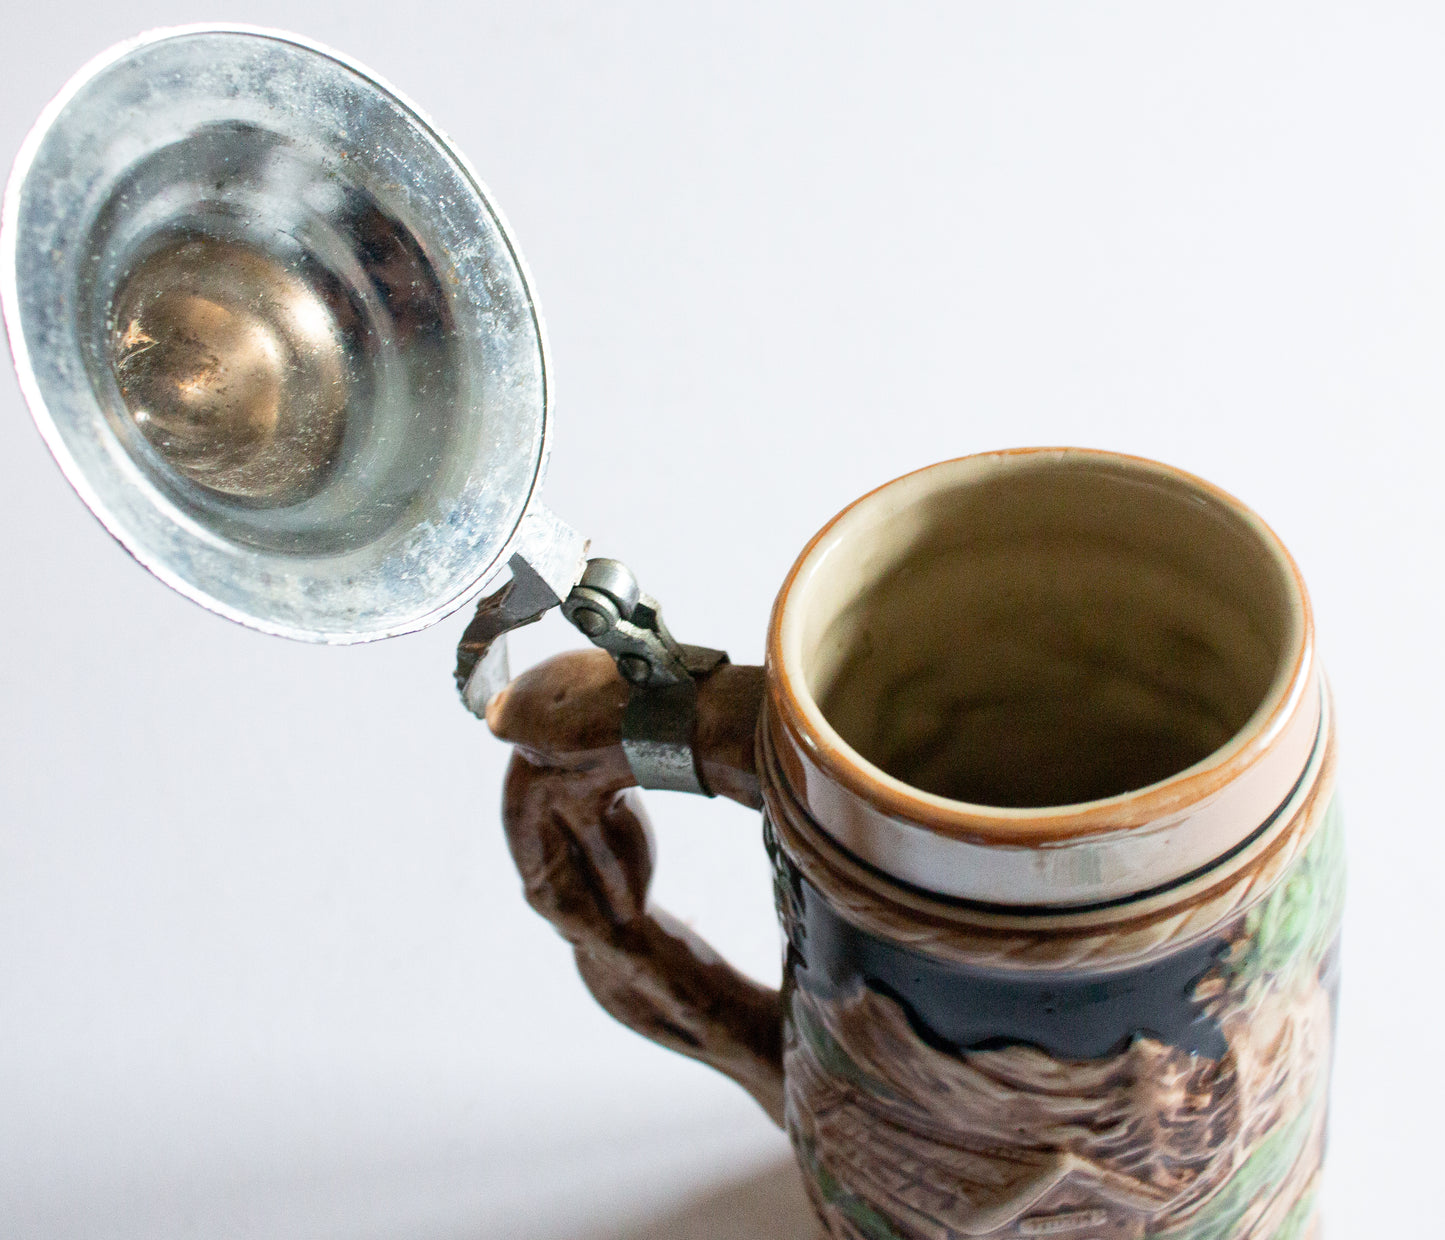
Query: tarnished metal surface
[657,737]
[658,728]
[612,612]
[609,607]
[232,368]
[347,460]
[547,564]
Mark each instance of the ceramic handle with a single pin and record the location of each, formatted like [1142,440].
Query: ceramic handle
[580,837]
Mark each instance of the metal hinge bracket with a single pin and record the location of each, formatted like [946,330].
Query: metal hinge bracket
[606,605]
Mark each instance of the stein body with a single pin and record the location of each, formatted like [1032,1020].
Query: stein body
[1046,764]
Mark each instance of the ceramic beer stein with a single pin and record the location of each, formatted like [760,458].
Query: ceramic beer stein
[1042,747]
[1046,767]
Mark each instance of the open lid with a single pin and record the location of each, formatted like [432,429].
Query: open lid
[280,342]
[276,334]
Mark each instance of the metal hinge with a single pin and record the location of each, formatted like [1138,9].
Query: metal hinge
[607,606]
[609,609]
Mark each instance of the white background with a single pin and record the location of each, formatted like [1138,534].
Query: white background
[264,967]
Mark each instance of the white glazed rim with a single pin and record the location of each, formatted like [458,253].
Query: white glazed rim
[1054,855]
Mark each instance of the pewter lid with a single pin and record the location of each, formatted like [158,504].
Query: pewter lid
[275,333]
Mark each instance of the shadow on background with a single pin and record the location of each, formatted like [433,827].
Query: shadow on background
[768,1204]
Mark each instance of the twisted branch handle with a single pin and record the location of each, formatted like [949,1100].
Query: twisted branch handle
[582,843]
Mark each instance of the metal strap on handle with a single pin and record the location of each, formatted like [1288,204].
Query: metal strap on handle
[606,605]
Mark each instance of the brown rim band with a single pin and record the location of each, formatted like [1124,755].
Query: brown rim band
[1065,855]
[1121,934]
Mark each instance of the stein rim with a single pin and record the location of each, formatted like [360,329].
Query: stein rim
[1052,855]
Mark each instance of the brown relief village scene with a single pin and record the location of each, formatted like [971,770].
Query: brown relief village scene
[905,1141]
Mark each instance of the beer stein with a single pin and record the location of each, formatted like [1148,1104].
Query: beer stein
[1042,746]
[1045,763]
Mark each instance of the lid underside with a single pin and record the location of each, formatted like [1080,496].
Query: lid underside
[275,333]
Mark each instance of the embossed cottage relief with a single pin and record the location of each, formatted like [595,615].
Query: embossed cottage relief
[1151,1141]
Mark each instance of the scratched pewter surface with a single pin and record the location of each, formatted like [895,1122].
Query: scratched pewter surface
[261,143]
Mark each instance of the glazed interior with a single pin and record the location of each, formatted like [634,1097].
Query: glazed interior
[1044,628]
